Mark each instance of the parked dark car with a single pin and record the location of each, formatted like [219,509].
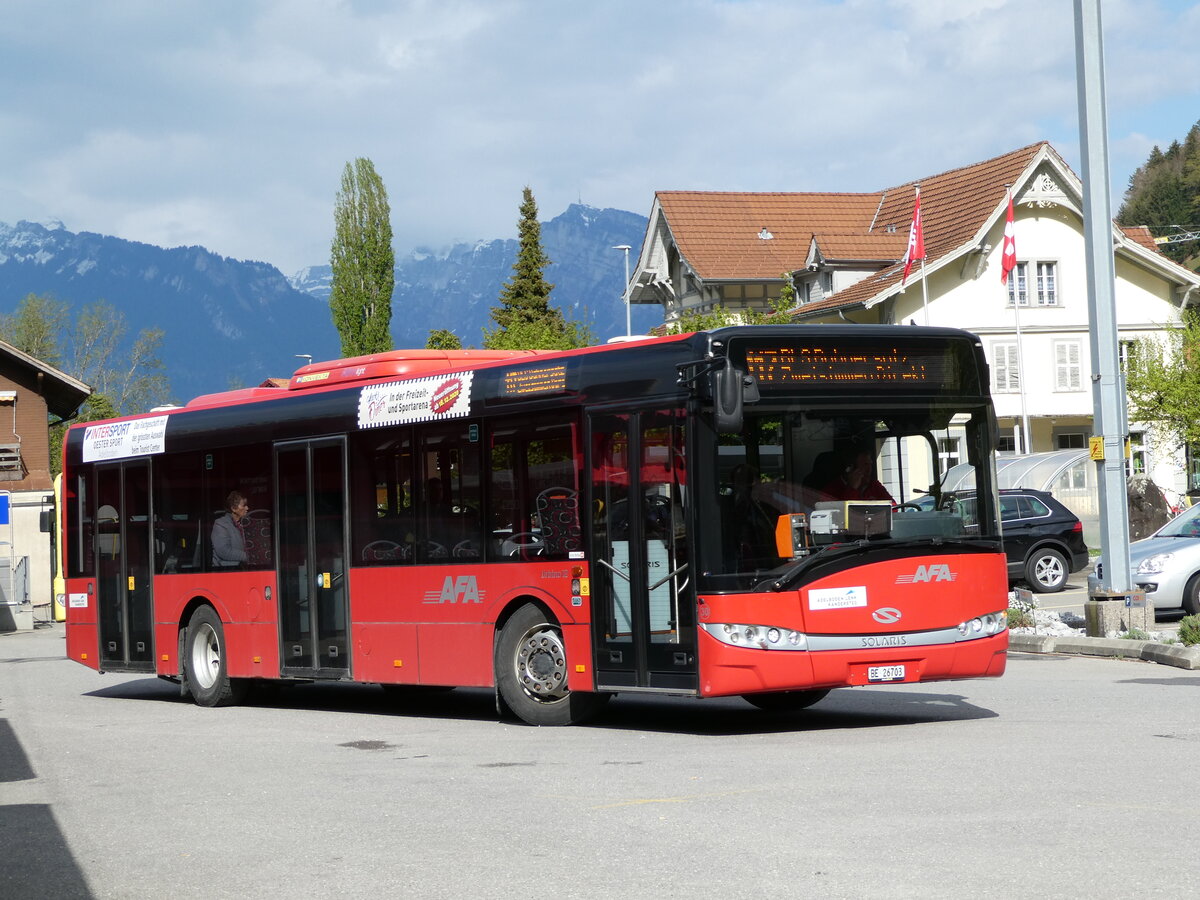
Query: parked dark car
[1042,538]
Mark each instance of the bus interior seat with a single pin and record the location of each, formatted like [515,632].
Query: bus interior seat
[558,516]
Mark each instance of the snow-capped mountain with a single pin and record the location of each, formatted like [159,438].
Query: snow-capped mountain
[455,288]
[233,323]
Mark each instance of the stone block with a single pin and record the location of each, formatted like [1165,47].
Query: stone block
[1104,614]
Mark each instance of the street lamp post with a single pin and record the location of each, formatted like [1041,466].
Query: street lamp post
[625,293]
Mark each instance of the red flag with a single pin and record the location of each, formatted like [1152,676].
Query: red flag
[916,240]
[1008,254]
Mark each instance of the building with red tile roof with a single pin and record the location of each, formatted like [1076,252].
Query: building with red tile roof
[844,252]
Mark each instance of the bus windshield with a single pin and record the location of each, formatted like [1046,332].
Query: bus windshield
[837,476]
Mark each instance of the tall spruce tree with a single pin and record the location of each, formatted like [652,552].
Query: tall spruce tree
[363,262]
[525,320]
[1164,194]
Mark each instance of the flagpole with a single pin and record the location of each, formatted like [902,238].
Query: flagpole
[924,291]
[1008,264]
[1026,440]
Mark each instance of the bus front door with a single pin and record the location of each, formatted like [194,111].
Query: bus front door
[311,499]
[124,595]
[643,613]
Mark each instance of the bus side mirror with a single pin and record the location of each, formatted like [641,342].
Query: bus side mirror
[731,389]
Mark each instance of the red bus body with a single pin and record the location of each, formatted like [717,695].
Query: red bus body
[638,575]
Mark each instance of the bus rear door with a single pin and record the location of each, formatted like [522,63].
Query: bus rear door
[124,595]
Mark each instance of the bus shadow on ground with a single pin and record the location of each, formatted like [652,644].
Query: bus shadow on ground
[726,716]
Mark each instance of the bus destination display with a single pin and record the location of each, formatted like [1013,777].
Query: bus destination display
[534,382]
[779,365]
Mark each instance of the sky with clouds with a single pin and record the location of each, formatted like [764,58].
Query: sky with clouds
[227,123]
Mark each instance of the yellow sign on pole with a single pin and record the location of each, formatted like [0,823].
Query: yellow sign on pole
[1096,448]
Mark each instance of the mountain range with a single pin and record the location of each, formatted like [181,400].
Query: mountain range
[232,323]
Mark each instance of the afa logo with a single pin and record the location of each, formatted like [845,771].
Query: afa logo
[460,589]
[927,574]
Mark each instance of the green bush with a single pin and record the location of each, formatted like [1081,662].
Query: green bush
[1189,630]
[1019,618]
[1135,634]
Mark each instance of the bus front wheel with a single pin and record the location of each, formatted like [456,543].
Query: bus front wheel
[531,672]
[205,660]
[785,701]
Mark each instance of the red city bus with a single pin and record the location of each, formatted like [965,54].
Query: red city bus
[712,514]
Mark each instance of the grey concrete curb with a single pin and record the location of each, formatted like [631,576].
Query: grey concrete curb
[1176,655]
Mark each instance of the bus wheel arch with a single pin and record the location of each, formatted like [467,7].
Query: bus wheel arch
[531,669]
[205,660]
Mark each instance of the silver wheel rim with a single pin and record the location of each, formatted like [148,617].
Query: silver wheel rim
[541,664]
[206,656]
[1048,571]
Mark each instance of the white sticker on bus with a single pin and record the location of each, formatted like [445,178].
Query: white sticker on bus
[117,440]
[837,598]
[77,601]
[415,400]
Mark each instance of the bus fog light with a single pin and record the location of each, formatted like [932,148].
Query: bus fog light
[773,635]
[794,638]
[751,633]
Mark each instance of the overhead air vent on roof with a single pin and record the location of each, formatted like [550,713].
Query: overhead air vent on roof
[765,235]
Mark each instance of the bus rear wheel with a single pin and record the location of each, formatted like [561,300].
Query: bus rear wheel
[531,672]
[785,701]
[205,662]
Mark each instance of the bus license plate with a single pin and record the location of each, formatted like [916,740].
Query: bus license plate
[885,673]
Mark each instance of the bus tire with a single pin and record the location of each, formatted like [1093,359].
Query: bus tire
[531,672]
[206,662]
[786,701]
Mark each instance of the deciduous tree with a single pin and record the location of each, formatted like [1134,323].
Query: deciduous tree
[363,262]
[1162,381]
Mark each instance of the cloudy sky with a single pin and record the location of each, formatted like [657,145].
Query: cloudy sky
[227,123]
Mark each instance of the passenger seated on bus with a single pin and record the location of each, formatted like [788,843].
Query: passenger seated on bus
[857,480]
[228,540]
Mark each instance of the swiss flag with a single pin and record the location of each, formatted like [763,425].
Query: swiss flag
[1008,255]
[916,240]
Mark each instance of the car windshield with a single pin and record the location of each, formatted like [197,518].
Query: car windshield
[795,483]
[1186,524]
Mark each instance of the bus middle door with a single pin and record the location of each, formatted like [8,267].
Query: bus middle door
[313,599]
[643,617]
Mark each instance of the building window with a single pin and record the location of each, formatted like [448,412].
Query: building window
[1125,352]
[1047,284]
[1007,442]
[1192,465]
[1018,285]
[1136,464]
[949,453]
[1071,440]
[1006,378]
[1067,375]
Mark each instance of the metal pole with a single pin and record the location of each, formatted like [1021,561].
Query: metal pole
[1107,384]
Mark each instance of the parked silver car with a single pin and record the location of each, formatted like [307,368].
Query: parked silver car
[1166,565]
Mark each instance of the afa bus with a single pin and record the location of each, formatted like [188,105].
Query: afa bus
[711,514]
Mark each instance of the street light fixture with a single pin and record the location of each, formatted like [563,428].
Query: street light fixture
[625,293]
[304,356]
